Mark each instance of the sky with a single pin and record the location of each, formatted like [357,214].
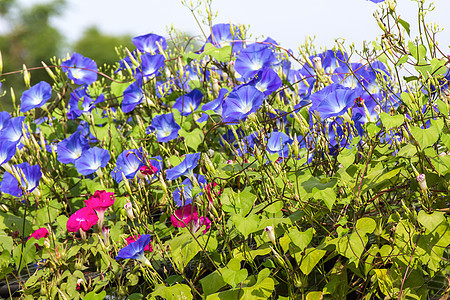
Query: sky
[288,22]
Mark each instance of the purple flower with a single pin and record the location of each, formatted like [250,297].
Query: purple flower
[254,58]
[87,103]
[91,160]
[147,42]
[7,151]
[266,81]
[216,105]
[4,119]
[151,64]
[132,97]
[128,163]
[36,96]
[185,168]
[241,103]
[279,142]
[188,103]
[165,126]
[221,36]
[29,179]
[333,100]
[135,250]
[13,131]
[183,194]
[71,148]
[80,69]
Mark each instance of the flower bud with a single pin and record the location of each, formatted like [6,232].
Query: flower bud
[26,77]
[127,184]
[129,210]
[270,234]
[422,182]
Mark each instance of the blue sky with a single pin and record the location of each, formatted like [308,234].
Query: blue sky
[286,21]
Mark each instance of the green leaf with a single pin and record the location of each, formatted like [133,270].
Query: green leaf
[430,221]
[441,164]
[328,196]
[442,106]
[402,60]
[222,54]
[6,242]
[193,138]
[301,239]
[365,225]
[94,296]
[212,283]
[404,25]
[246,225]
[310,260]
[425,137]
[391,121]
[177,291]
[438,67]
[347,156]
[407,151]
[233,277]
[246,199]
[314,296]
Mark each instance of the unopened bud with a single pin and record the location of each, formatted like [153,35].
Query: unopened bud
[129,210]
[26,77]
[318,64]
[127,184]
[422,182]
[49,71]
[270,234]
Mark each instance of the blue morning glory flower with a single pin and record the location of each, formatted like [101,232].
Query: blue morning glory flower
[221,36]
[71,148]
[183,194]
[29,179]
[87,103]
[376,1]
[266,81]
[216,105]
[132,97]
[128,162]
[333,100]
[80,69]
[91,160]
[165,126]
[7,151]
[241,103]
[185,168]
[254,58]
[13,131]
[187,104]
[151,64]
[135,250]
[36,96]
[279,142]
[329,60]
[4,119]
[147,43]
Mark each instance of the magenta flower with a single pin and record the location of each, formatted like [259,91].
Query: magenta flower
[134,238]
[184,215]
[82,220]
[100,202]
[39,234]
[188,216]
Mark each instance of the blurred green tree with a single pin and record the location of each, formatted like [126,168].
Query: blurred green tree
[30,39]
[101,47]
